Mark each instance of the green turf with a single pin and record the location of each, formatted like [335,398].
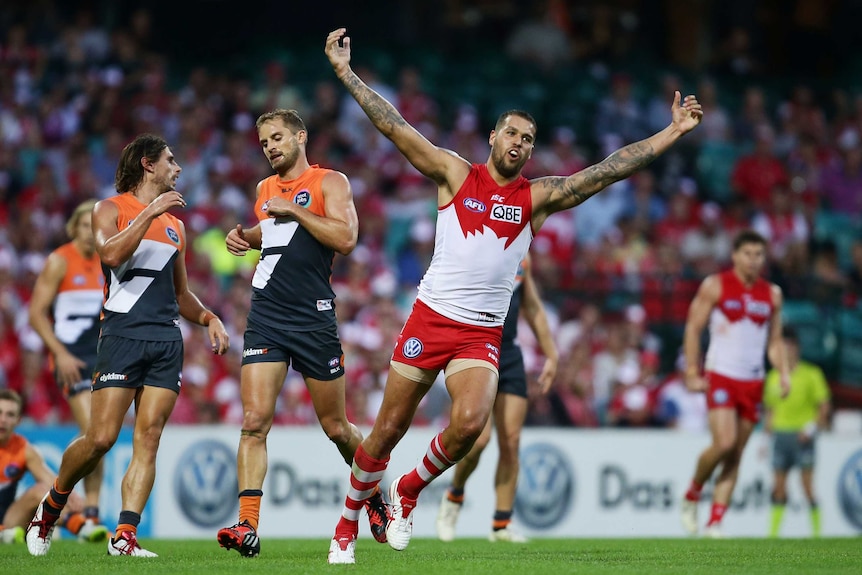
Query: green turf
[468,556]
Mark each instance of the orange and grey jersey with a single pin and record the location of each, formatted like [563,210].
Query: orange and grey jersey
[140,301]
[13,466]
[78,302]
[291,284]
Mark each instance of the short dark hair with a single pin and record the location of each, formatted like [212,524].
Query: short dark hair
[290,118]
[789,333]
[520,113]
[748,237]
[12,395]
[130,172]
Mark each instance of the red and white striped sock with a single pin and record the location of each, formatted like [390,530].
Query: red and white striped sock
[365,474]
[435,462]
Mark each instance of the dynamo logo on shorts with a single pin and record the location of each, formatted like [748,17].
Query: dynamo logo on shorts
[850,490]
[412,348]
[205,483]
[546,486]
[719,396]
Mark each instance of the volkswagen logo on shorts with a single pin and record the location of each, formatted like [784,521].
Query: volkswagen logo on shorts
[412,348]
[205,483]
[850,490]
[546,486]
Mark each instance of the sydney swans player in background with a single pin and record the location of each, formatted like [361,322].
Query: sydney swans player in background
[743,313]
[487,215]
[140,356]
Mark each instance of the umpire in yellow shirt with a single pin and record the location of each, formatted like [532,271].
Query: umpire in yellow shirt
[794,422]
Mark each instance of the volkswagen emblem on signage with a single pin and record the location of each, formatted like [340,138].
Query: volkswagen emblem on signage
[412,348]
[206,483]
[546,486]
[850,490]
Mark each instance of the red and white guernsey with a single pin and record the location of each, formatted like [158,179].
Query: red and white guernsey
[482,236]
[739,329]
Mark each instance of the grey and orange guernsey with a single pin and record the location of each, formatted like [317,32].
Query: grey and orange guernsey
[140,300]
[78,303]
[291,284]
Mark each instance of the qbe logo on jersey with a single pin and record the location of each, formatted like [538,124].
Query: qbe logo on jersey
[508,214]
[205,483]
[546,486]
[850,490]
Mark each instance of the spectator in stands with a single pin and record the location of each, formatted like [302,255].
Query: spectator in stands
[678,407]
[646,208]
[755,174]
[707,247]
[783,225]
[607,365]
[541,40]
[842,182]
[619,113]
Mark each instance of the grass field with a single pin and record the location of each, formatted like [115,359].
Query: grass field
[468,556]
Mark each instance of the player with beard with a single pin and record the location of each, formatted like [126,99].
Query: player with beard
[139,361]
[305,214]
[487,216]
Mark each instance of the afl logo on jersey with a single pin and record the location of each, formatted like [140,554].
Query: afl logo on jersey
[303,198]
[474,205]
[412,348]
[79,280]
[264,206]
[173,235]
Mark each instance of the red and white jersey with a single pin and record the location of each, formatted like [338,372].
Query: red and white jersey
[739,328]
[482,236]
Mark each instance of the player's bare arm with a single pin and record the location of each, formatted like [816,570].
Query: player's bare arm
[553,194]
[701,306]
[534,312]
[775,349]
[115,247]
[191,307]
[339,228]
[44,291]
[239,240]
[443,166]
[36,465]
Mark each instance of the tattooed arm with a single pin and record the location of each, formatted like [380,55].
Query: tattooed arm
[553,194]
[436,163]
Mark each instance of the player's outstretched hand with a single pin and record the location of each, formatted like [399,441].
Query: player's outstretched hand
[236,242]
[687,116]
[338,51]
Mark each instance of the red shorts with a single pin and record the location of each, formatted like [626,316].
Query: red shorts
[745,396]
[430,341]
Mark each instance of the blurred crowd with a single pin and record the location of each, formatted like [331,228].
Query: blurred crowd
[617,273]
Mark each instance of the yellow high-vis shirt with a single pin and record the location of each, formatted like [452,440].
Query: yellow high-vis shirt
[808,389]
